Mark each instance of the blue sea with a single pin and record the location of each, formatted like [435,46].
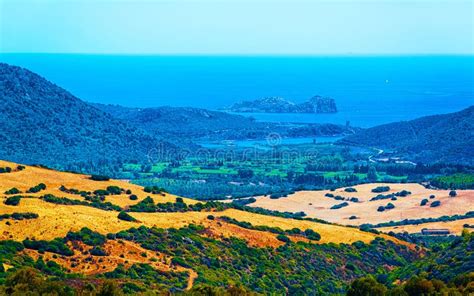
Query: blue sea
[368,90]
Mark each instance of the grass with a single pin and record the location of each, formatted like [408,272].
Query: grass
[57,220]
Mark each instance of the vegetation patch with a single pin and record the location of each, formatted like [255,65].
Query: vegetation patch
[55,246]
[37,188]
[13,200]
[455,181]
[380,189]
[13,190]
[18,216]
[87,236]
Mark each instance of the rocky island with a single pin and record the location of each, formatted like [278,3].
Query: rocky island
[316,104]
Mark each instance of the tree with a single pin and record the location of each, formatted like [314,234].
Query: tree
[372,174]
[366,286]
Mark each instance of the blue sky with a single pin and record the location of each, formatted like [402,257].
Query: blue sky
[237,27]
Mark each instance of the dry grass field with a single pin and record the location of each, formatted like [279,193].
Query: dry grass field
[454,227]
[57,220]
[316,204]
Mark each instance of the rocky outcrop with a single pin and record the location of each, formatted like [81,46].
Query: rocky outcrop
[316,104]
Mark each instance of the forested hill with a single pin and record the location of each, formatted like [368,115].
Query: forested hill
[43,123]
[439,138]
[193,124]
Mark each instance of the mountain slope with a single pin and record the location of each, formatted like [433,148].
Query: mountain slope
[43,123]
[65,229]
[439,138]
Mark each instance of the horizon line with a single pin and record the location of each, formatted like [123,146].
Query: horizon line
[247,54]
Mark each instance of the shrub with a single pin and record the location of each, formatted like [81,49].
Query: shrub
[424,202]
[432,196]
[435,204]
[350,189]
[381,189]
[13,200]
[101,192]
[452,193]
[283,238]
[389,206]
[99,178]
[126,217]
[87,236]
[381,209]
[97,251]
[211,217]
[37,188]
[114,190]
[366,286]
[352,217]
[55,246]
[154,189]
[338,206]
[179,200]
[311,234]
[13,190]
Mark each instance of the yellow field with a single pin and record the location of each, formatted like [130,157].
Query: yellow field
[56,220]
[455,227]
[316,204]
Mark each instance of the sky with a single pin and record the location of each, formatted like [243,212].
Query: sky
[242,27]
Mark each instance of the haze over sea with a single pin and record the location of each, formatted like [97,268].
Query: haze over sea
[368,90]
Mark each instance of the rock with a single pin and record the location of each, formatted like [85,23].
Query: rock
[316,104]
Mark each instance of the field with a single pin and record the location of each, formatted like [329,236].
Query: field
[316,204]
[57,220]
[454,227]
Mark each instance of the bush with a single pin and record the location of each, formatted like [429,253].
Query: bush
[311,234]
[366,286]
[432,196]
[133,197]
[435,204]
[424,202]
[452,193]
[87,236]
[381,209]
[37,188]
[13,200]
[126,217]
[13,190]
[350,189]
[55,246]
[114,190]
[390,206]
[381,189]
[154,189]
[338,206]
[352,217]
[97,251]
[99,178]
[211,217]
[283,238]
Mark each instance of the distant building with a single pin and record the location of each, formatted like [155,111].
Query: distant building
[427,231]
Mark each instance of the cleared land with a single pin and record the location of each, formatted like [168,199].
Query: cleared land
[455,227]
[315,204]
[57,220]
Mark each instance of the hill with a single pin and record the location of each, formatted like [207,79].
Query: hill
[184,123]
[316,104]
[43,123]
[440,138]
[64,224]
[363,205]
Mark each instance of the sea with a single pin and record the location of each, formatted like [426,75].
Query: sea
[369,90]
